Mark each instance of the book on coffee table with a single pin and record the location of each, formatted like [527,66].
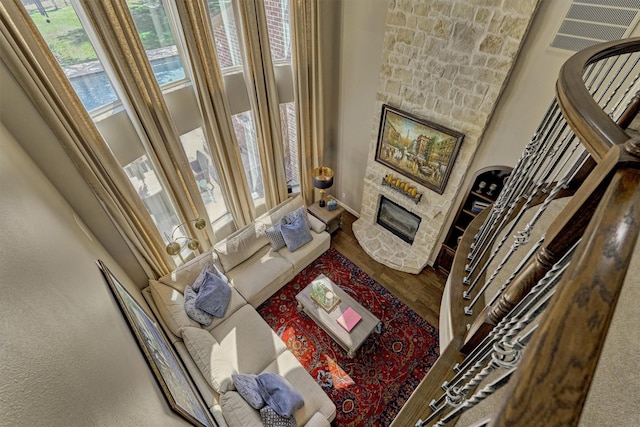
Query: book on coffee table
[349,319]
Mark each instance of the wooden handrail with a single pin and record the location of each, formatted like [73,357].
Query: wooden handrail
[592,125]
[552,381]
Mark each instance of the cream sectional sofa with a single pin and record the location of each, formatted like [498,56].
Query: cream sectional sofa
[242,342]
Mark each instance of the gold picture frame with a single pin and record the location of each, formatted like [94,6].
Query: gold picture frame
[417,148]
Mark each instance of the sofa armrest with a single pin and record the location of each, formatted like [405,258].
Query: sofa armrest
[318,420]
[316,225]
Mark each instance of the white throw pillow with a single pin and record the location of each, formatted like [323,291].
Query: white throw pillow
[205,352]
[170,304]
[236,248]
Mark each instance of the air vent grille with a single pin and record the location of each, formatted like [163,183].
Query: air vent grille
[589,22]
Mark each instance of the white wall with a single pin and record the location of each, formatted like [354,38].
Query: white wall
[360,58]
[68,357]
[21,118]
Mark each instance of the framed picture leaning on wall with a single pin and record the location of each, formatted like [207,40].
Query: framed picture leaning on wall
[417,148]
[167,368]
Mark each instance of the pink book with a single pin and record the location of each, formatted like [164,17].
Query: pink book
[348,319]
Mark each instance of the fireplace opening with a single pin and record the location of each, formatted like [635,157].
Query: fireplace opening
[398,220]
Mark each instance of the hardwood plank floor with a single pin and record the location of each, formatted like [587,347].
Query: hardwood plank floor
[422,292]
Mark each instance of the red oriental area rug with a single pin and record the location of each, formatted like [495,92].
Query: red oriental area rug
[371,388]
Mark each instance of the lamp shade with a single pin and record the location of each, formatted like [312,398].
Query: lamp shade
[173,248]
[322,177]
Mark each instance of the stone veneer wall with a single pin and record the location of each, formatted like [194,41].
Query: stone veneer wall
[446,61]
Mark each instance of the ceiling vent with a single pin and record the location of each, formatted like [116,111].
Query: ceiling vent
[590,22]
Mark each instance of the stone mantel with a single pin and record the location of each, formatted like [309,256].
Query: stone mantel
[381,244]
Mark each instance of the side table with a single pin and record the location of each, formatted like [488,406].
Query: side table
[333,219]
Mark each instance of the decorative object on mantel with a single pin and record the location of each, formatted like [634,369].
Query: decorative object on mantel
[402,187]
[175,248]
[418,149]
[322,178]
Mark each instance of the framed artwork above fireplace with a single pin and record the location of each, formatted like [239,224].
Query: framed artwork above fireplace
[417,148]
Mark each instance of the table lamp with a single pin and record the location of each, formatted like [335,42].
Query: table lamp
[322,178]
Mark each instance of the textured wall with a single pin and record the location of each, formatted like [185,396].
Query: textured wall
[445,61]
[68,356]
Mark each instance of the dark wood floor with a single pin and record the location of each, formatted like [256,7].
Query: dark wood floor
[422,292]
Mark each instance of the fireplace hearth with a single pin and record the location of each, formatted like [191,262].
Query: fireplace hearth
[398,220]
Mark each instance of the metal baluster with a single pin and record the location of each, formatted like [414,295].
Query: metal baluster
[522,315]
[552,117]
[620,81]
[523,236]
[475,399]
[506,346]
[559,153]
[525,175]
[627,90]
[612,61]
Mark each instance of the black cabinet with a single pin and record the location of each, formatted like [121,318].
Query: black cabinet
[487,183]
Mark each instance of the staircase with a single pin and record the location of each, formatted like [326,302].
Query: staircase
[536,279]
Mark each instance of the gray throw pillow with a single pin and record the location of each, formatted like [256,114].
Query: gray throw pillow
[193,312]
[270,418]
[247,386]
[278,393]
[274,234]
[214,295]
[296,234]
[288,218]
[208,268]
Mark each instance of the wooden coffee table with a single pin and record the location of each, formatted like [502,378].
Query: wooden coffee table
[349,341]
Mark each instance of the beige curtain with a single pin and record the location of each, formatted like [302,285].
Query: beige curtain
[307,79]
[263,95]
[142,97]
[218,129]
[30,61]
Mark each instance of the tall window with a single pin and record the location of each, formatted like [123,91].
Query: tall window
[69,38]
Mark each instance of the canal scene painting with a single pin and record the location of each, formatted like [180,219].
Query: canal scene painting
[416,148]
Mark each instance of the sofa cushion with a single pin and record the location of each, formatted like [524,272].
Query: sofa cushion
[195,313]
[186,274]
[296,233]
[210,358]
[239,246]
[279,394]
[247,386]
[237,412]
[315,399]
[271,418]
[170,304]
[261,276]
[318,420]
[306,254]
[214,295]
[274,234]
[247,341]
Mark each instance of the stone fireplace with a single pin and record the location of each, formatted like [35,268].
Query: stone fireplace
[410,254]
[447,62]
